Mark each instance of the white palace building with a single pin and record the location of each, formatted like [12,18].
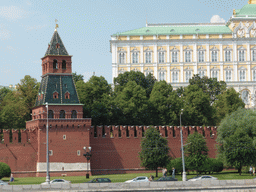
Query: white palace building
[174,52]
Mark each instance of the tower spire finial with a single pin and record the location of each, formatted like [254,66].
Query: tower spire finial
[56,26]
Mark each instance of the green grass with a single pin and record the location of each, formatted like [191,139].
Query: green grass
[224,175]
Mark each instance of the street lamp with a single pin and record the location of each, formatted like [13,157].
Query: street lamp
[47,149]
[87,155]
[184,177]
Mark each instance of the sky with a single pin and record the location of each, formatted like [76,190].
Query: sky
[85,27]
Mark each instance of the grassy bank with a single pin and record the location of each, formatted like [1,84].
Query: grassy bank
[224,175]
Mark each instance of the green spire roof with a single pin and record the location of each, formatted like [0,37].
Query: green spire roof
[249,9]
[60,84]
[56,46]
[178,30]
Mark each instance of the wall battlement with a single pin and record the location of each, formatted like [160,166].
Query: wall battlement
[131,131]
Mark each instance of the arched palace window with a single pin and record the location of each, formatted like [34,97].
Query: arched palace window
[74,114]
[62,114]
[50,114]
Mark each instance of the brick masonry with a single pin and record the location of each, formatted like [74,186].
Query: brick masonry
[114,148]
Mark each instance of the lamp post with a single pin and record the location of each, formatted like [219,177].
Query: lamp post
[47,148]
[184,177]
[87,155]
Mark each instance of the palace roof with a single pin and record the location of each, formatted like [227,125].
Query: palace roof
[178,29]
[249,9]
[56,46]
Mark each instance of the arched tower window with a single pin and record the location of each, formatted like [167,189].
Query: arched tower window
[64,64]
[74,114]
[67,95]
[62,114]
[55,95]
[50,114]
[55,64]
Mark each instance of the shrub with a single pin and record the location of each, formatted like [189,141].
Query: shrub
[5,170]
[177,164]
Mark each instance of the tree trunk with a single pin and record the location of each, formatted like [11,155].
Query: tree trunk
[156,172]
[240,170]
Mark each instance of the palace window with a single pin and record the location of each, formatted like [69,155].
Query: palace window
[227,56]
[214,56]
[188,74]
[254,55]
[148,55]
[121,57]
[135,57]
[148,71]
[161,74]
[161,57]
[175,75]
[254,73]
[201,56]
[187,56]
[215,73]
[201,72]
[175,57]
[241,55]
[245,97]
[228,74]
[242,74]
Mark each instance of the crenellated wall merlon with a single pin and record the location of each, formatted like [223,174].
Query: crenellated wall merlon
[12,136]
[138,131]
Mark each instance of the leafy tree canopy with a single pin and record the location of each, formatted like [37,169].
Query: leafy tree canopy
[236,138]
[77,77]
[165,104]
[132,101]
[197,108]
[196,151]
[226,103]
[154,150]
[140,79]
[209,85]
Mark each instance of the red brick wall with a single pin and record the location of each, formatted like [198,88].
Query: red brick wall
[110,153]
[121,154]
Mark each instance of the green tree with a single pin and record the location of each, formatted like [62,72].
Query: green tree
[3,92]
[197,107]
[95,95]
[165,104]
[237,139]
[196,151]
[154,150]
[140,79]
[209,85]
[226,103]
[132,101]
[17,105]
[77,77]
[5,170]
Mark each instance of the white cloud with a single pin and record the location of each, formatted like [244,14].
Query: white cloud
[12,12]
[217,19]
[4,33]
